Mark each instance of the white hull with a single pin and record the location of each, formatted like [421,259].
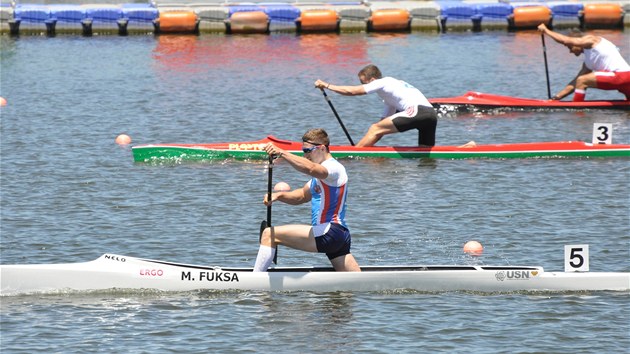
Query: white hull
[122,272]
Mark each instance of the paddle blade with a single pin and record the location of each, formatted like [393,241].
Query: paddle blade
[263,226]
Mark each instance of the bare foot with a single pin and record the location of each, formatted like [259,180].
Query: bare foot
[470,144]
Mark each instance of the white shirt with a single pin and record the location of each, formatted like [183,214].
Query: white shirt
[605,56]
[396,94]
[328,196]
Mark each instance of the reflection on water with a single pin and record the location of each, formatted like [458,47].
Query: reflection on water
[325,320]
[428,163]
[262,55]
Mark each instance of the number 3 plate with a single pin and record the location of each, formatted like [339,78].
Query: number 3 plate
[602,133]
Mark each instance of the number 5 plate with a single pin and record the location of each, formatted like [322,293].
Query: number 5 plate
[576,258]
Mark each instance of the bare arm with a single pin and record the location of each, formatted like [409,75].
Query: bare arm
[586,42]
[300,163]
[294,197]
[342,90]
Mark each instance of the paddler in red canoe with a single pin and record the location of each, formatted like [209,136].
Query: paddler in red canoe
[406,107]
[603,68]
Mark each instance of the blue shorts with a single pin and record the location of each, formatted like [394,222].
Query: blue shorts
[335,242]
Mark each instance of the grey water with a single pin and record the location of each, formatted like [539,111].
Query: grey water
[70,194]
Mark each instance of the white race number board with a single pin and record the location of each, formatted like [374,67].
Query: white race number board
[576,258]
[602,133]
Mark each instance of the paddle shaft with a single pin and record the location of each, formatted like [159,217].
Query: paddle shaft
[542,36]
[269,191]
[269,188]
[337,116]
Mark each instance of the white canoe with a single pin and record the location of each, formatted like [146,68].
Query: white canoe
[122,272]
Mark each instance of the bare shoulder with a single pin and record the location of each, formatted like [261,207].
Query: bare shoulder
[589,41]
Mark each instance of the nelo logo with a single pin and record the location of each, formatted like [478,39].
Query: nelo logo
[115,258]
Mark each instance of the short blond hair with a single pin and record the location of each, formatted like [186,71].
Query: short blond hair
[317,136]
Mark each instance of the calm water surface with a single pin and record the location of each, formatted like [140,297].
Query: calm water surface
[70,194]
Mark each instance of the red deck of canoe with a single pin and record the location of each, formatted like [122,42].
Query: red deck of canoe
[486,100]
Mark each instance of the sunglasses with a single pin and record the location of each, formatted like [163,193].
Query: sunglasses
[309,150]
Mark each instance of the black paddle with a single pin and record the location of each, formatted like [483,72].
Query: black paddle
[337,115]
[267,223]
[542,36]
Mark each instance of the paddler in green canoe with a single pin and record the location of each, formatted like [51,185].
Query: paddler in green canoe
[406,107]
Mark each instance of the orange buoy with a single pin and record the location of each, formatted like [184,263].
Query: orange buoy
[602,14]
[282,187]
[123,139]
[318,20]
[389,20]
[3,102]
[249,22]
[473,248]
[530,16]
[178,22]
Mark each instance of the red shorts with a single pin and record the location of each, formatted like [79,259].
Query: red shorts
[619,81]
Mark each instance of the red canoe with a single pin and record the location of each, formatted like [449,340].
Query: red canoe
[473,99]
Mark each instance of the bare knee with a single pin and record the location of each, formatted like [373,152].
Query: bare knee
[266,237]
[580,84]
[376,130]
[585,81]
[345,263]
